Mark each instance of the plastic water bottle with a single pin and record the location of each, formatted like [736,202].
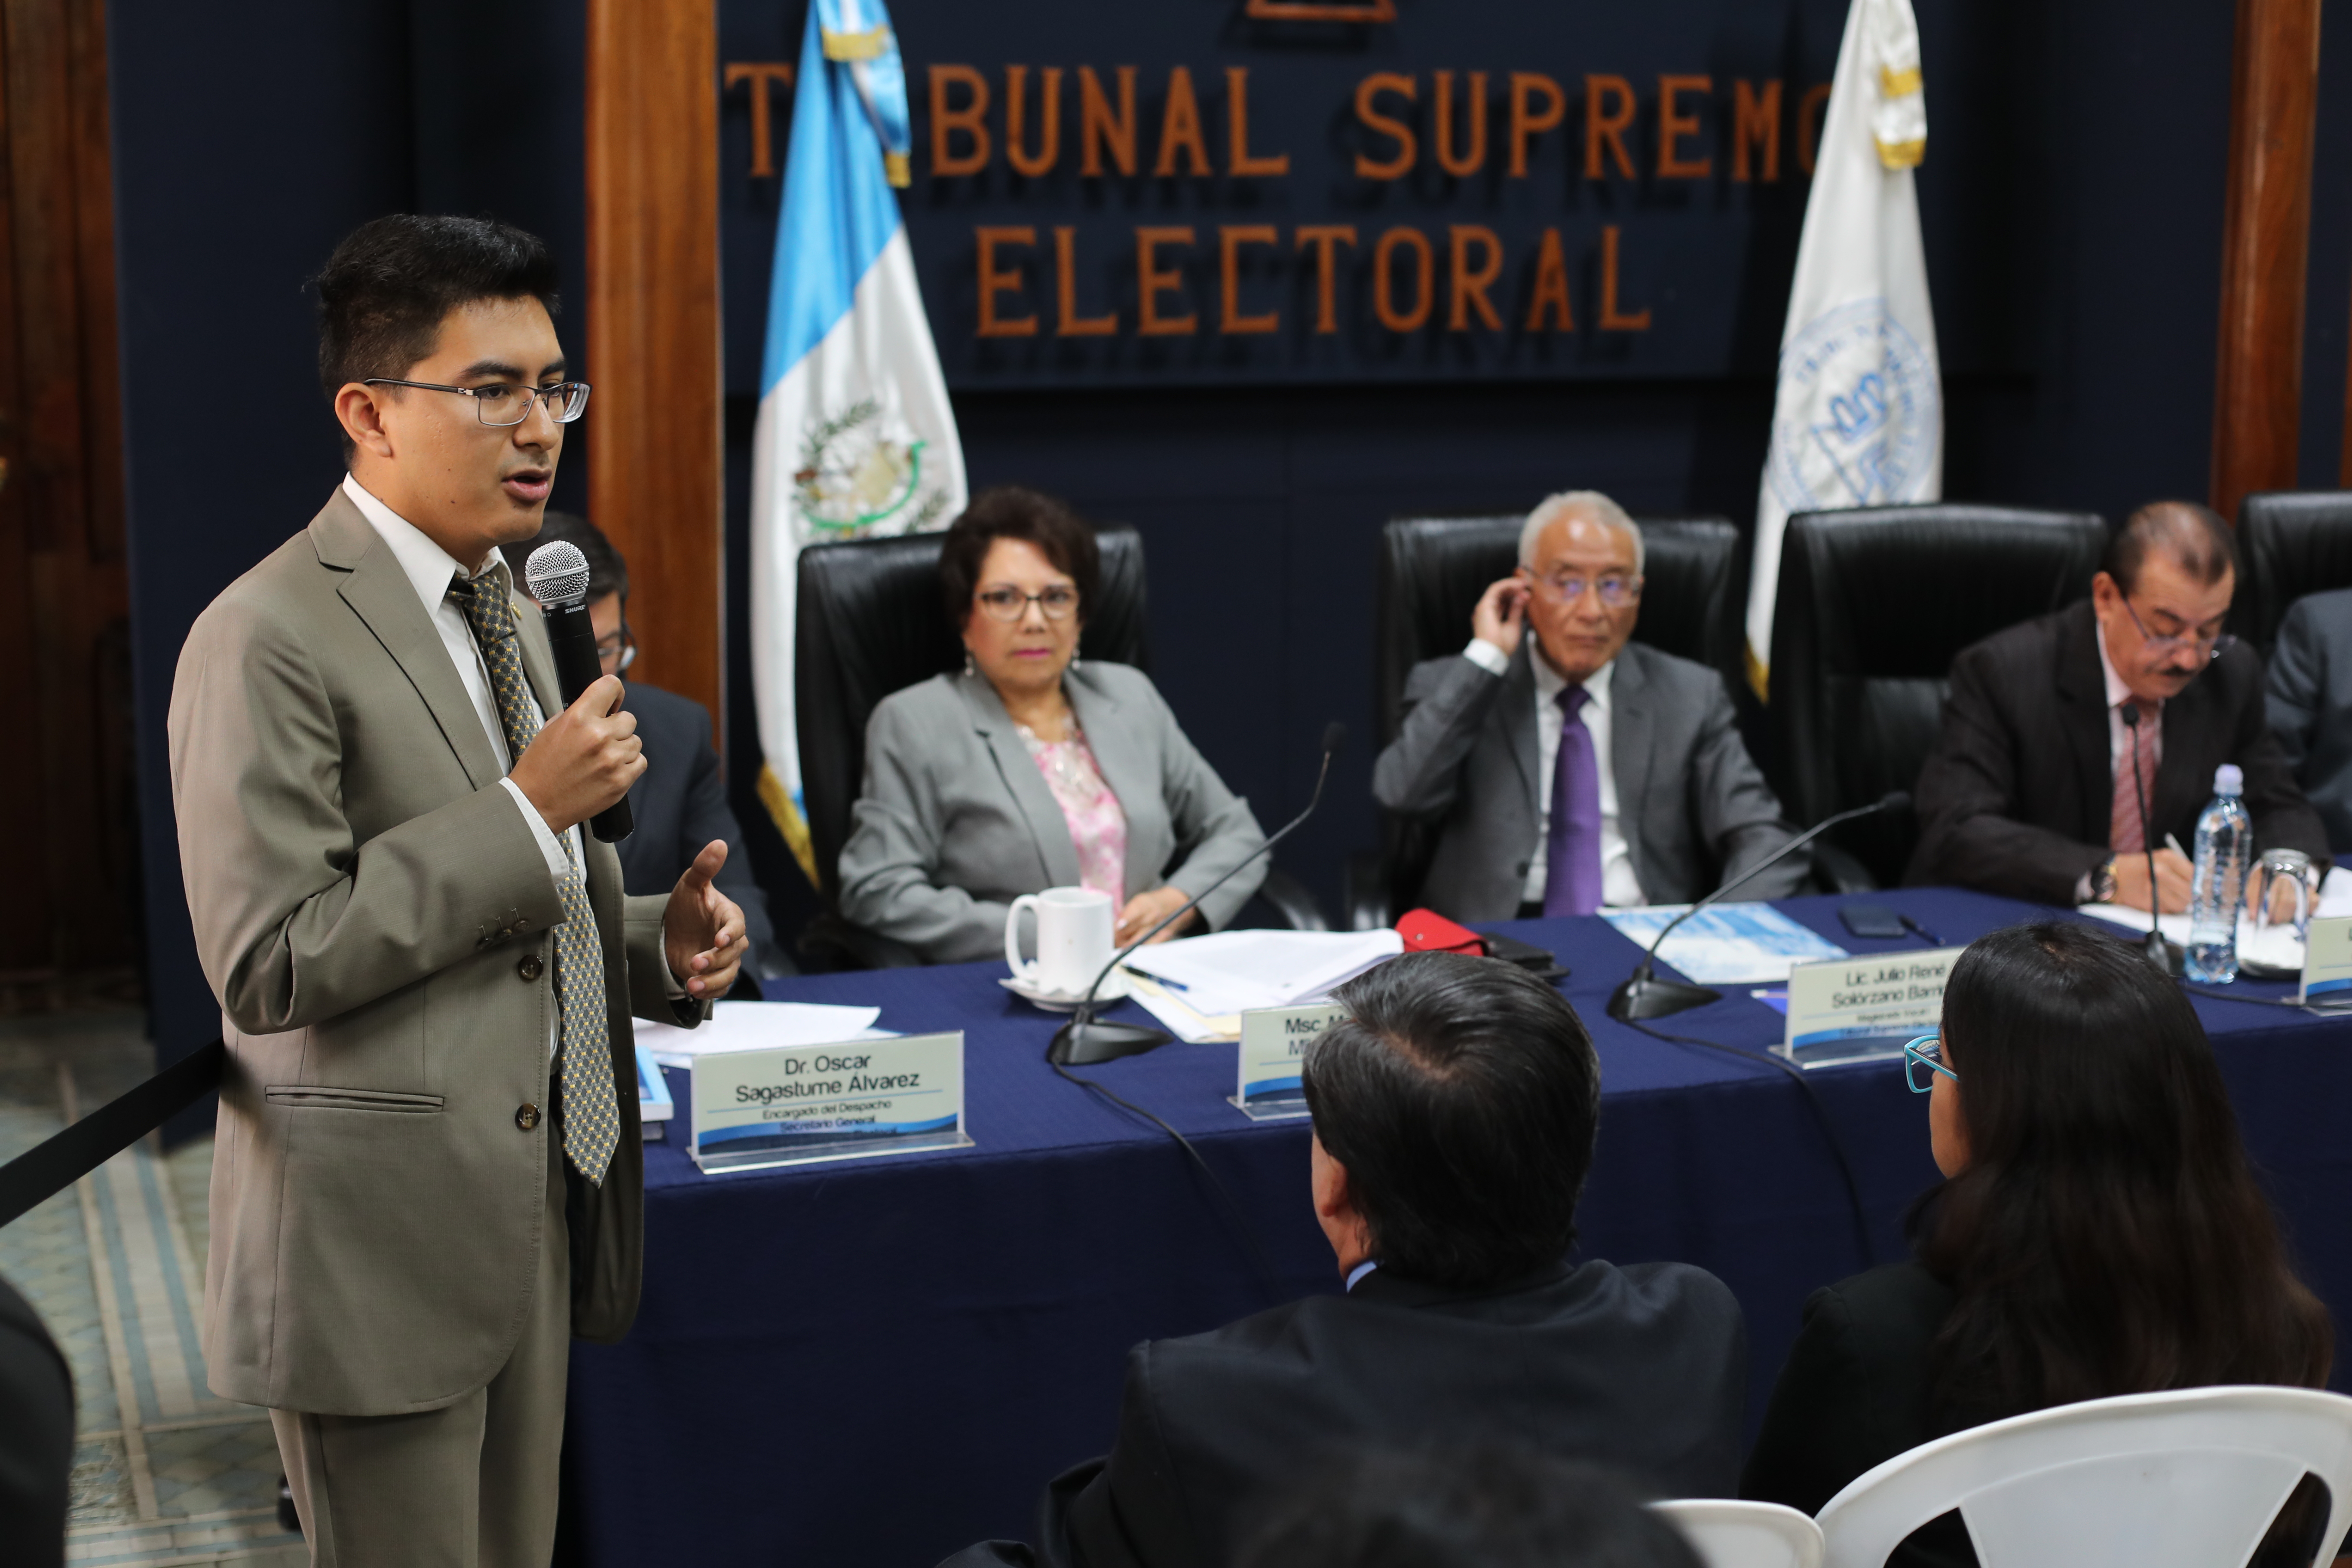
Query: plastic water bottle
[2225,837]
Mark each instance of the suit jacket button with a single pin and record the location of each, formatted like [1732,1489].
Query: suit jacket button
[526,1116]
[532,967]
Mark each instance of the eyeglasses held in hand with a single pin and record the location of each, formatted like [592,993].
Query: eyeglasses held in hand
[1927,1052]
[1616,589]
[2213,647]
[1058,601]
[501,404]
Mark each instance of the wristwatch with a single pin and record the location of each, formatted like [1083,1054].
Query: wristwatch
[2103,883]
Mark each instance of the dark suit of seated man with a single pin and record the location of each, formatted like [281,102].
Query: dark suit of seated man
[2029,791]
[679,802]
[1454,1117]
[2310,705]
[1575,769]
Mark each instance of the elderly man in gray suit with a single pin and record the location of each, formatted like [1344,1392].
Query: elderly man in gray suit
[1576,770]
[428,1177]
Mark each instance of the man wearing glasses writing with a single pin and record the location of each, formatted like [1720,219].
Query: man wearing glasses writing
[1575,769]
[2054,731]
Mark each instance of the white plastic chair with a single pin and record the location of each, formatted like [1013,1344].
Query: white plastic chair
[2189,1478]
[1728,1534]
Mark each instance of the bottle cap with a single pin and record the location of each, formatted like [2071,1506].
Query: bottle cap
[2228,780]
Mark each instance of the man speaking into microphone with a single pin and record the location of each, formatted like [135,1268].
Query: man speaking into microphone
[428,1175]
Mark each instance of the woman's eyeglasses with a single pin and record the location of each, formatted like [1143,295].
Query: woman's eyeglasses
[1923,1058]
[1058,601]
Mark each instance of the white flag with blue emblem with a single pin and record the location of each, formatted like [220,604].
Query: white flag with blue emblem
[1858,418]
[855,437]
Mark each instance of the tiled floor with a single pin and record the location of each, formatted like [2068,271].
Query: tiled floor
[166,1473]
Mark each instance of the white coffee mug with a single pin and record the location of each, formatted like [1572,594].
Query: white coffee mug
[1074,927]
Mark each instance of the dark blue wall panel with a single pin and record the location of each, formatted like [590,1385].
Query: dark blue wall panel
[2072,200]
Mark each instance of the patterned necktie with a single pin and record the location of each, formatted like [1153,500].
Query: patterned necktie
[2127,834]
[591,1121]
[1572,840]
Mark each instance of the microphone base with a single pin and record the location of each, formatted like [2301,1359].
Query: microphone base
[2165,956]
[1651,998]
[1081,1042]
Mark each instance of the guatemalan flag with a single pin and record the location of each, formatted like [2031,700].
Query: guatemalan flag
[855,437]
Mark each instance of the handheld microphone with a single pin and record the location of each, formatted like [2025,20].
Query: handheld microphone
[1645,996]
[1082,1040]
[2160,951]
[557,577]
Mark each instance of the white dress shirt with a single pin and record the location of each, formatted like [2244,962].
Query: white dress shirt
[2119,739]
[430,569]
[2119,734]
[1619,889]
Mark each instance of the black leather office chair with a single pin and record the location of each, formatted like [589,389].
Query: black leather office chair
[2290,543]
[1874,603]
[1431,570]
[870,623]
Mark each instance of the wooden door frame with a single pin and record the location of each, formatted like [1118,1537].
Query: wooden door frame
[2265,244]
[656,450]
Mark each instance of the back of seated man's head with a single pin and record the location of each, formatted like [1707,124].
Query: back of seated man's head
[1461,1096]
[1478,1507]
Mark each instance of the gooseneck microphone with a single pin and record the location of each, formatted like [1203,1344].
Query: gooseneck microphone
[557,577]
[2160,951]
[1082,1040]
[1645,996]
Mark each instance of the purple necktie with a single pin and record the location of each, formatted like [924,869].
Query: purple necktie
[1572,843]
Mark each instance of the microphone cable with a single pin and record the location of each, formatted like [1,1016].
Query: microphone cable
[1236,1219]
[1820,1115]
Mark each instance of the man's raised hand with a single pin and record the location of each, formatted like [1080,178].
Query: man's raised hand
[703,933]
[584,759]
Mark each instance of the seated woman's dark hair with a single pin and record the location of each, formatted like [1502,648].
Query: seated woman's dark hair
[2107,1235]
[1460,1094]
[1011,512]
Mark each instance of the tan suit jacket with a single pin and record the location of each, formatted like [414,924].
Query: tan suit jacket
[372,913]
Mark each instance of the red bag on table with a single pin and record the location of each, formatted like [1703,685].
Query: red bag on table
[1426,930]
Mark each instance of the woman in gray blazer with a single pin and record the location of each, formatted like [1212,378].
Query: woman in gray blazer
[1032,769]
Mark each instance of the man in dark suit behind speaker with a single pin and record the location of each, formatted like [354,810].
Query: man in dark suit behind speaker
[680,800]
[1453,1113]
[1564,767]
[2029,791]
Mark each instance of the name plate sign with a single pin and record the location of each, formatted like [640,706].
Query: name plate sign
[795,1105]
[1273,1045]
[1863,1009]
[2327,959]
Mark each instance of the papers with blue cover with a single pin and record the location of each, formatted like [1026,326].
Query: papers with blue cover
[1728,944]
[654,1103]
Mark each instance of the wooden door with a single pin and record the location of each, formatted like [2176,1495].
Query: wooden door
[68,836]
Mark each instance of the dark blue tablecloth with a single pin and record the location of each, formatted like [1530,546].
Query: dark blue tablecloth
[878,1362]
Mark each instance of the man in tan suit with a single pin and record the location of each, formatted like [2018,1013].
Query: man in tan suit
[428,1175]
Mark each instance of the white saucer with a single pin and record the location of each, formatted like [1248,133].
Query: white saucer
[2276,954]
[1114,986]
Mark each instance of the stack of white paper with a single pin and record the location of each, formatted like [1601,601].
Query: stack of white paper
[1231,971]
[755,1027]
